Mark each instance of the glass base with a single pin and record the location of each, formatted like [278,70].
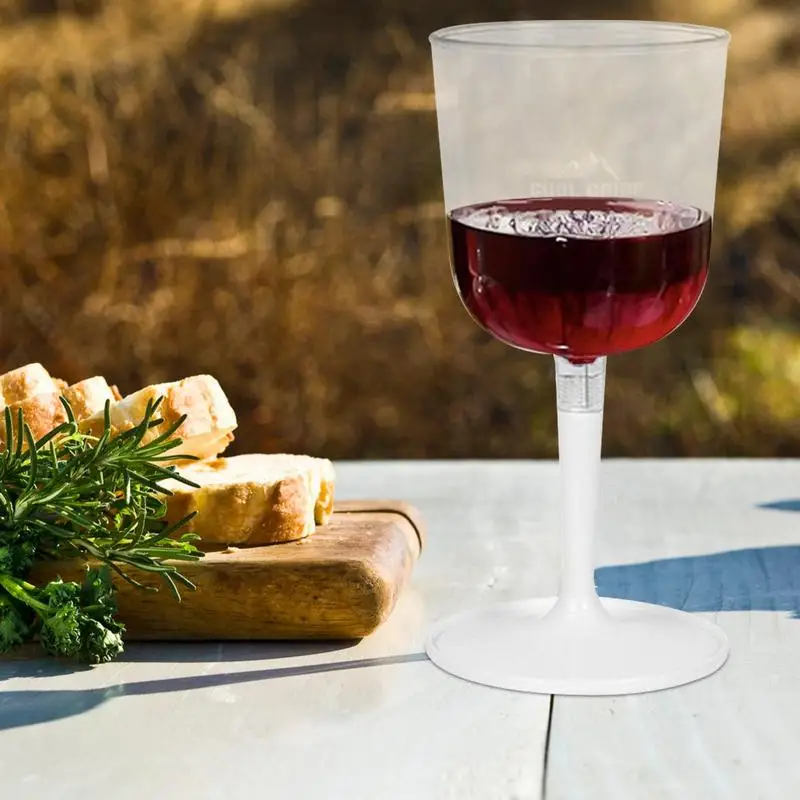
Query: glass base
[621,647]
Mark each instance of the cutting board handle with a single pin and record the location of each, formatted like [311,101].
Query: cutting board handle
[399,507]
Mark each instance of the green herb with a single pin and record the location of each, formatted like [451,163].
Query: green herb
[72,495]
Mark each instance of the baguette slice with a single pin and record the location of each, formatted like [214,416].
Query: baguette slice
[43,412]
[23,382]
[89,397]
[254,499]
[207,429]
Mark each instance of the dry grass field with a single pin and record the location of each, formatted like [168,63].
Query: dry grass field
[251,188]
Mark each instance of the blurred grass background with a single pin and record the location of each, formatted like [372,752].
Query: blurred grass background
[251,188]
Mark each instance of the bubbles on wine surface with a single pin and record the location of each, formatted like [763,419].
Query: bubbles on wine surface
[618,219]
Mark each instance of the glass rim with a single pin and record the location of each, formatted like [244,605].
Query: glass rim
[695,35]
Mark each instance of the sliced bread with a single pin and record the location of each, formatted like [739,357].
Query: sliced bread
[89,397]
[254,499]
[43,412]
[23,382]
[207,429]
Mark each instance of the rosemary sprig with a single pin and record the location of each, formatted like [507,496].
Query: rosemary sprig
[97,498]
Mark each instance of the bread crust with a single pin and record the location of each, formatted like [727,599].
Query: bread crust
[88,397]
[247,512]
[23,382]
[207,429]
[43,412]
[254,499]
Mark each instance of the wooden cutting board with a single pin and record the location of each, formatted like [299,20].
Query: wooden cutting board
[340,583]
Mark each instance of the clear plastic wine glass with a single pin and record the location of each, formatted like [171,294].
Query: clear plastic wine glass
[579,162]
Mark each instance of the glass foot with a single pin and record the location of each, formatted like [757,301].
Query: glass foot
[634,647]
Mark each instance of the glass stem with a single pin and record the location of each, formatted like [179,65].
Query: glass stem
[580,390]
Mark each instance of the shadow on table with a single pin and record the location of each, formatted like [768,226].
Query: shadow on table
[31,707]
[782,505]
[201,652]
[28,661]
[756,579]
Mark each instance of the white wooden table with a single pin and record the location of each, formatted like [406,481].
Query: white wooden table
[377,720]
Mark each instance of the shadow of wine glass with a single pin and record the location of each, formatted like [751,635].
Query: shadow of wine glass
[782,505]
[753,579]
[32,707]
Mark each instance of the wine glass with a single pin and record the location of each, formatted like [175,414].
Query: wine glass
[579,162]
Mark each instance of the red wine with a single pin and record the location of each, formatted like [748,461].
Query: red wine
[580,277]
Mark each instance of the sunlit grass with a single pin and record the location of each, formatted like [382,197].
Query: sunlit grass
[254,191]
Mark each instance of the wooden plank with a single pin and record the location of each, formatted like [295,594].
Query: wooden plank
[731,736]
[717,538]
[341,583]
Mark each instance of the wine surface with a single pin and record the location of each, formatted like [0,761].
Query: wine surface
[580,277]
